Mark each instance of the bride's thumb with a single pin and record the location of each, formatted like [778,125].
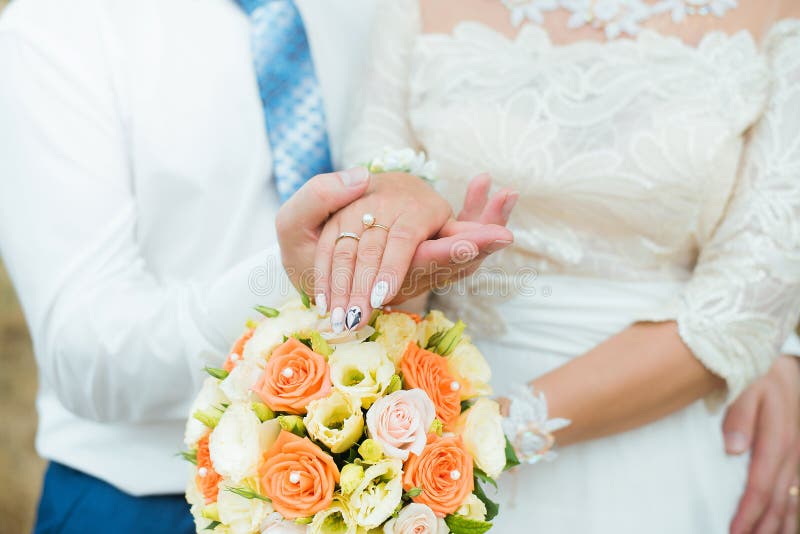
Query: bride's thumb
[319,198]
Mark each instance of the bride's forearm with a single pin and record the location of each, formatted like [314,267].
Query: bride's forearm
[637,376]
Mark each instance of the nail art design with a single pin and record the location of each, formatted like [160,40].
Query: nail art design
[322,304]
[337,320]
[353,317]
[378,294]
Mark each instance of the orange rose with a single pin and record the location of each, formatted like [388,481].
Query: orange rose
[294,376]
[428,371]
[298,476]
[207,479]
[237,350]
[443,471]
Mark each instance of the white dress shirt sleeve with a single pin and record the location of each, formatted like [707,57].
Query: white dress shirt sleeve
[113,340]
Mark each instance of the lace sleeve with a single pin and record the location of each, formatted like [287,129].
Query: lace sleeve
[380,115]
[744,296]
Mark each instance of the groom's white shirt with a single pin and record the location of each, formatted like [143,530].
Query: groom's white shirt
[137,209]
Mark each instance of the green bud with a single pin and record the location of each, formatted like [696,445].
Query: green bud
[220,374]
[305,299]
[267,311]
[209,417]
[247,493]
[395,384]
[371,451]
[251,324]
[451,338]
[189,456]
[437,427]
[350,477]
[314,340]
[263,412]
[413,492]
[293,424]
[210,511]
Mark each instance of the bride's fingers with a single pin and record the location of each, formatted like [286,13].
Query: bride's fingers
[370,253]
[323,257]
[401,244]
[792,510]
[475,199]
[498,208]
[345,250]
[773,518]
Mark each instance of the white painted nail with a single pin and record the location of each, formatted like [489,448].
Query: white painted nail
[353,317]
[378,294]
[337,320]
[322,304]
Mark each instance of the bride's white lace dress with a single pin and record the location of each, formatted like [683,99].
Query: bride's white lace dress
[658,181]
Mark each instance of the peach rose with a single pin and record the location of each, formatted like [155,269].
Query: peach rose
[237,350]
[207,479]
[294,376]
[428,371]
[443,471]
[298,476]
[400,422]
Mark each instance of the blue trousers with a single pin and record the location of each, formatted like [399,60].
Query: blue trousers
[73,502]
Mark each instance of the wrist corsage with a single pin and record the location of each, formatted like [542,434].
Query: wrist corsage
[403,160]
[527,426]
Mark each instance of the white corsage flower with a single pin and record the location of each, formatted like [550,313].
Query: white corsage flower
[361,370]
[237,441]
[380,491]
[335,420]
[481,428]
[239,383]
[240,515]
[414,518]
[397,330]
[336,518]
[404,160]
[210,396]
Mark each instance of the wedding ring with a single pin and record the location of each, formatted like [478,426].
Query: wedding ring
[351,235]
[368,220]
[794,491]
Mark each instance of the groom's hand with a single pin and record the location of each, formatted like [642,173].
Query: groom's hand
[765,420]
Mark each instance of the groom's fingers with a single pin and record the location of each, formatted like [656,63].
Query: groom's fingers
[318,199]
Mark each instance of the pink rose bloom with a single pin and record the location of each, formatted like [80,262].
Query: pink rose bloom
[400,422]
[415,519]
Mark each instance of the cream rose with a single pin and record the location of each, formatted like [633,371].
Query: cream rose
[482,431]
[467,362]
[361,370]
[335,421]
[400,422]
[396,330]
[293,317]
[380,491]
[473,508]
[240,515]
[237,441]
[274,523]
[210,395]
[239,383]
[336,519]
[416,518]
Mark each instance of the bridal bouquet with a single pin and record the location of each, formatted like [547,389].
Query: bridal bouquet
[387,429]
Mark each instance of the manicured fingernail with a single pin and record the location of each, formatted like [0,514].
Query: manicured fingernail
[354,177]
[337,320]
[353,317]
[508,205]
[378,294]
[494,246]
[736,443]
[322,304]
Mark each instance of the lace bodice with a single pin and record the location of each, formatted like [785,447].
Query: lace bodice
[643,159]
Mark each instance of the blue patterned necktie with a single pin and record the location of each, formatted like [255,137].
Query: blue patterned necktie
[290,93]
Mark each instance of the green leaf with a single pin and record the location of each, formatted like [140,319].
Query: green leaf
[511,456]
[267,311]
[305,299]
[491,507]
[374,317]
[220,374]
[247,493]
[189,456]
[480,475]
[458,524]
[212,525]
[413,492]
[467,404]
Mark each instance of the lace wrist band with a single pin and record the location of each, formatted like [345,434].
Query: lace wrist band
[527,426]
[403,160]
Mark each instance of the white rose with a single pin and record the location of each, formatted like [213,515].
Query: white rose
[293,317]
[482,431]
[467,362]
[434,322]
[275,524]
[361,370]
[335,420]
[239,383]
[397,330]
[376,497]
[238,440]
[416,518]
[242,516]
[210,395]
[473,508]
[336,518]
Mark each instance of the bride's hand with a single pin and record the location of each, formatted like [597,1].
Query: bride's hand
[395,258]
